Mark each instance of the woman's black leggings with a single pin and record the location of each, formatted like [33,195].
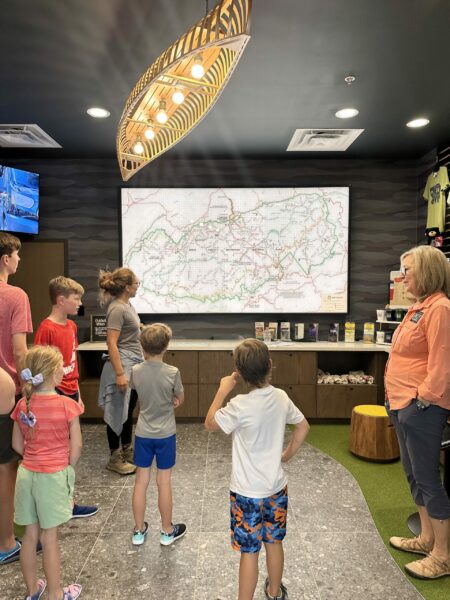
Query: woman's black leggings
[114,440]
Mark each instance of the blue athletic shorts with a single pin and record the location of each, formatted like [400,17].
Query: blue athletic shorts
[257,520]
[145,449]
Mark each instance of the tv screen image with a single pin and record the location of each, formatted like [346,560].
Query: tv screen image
[237,250]
[19,201]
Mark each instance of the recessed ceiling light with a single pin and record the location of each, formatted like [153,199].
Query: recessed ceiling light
[418,122]
[347,113]
[98,113]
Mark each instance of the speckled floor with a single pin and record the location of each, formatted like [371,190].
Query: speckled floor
[333,551]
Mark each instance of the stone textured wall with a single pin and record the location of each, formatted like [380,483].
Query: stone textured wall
[80,201]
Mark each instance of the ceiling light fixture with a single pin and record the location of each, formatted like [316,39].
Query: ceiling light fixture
[215,43]
[178,97]
[161,115]
[347,113]
[198,70]
[149,132]
[420,122]
[138,147]
[98,113]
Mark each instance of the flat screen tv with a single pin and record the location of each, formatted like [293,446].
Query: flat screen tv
[19,201]
[237,250]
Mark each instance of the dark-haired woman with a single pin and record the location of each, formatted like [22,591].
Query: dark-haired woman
[124,351]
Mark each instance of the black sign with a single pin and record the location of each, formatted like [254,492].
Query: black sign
[98,328]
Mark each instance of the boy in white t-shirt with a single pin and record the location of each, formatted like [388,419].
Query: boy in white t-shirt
[258,496]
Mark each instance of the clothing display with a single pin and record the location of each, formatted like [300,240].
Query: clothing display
[434,194]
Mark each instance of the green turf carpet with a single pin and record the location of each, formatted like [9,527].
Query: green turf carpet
[387,494]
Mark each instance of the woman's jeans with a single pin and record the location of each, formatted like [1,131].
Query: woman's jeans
[419,435]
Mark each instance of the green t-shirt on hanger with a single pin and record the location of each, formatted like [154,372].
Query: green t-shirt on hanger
[434,193]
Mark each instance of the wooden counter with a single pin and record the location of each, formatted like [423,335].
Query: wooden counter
[202,363]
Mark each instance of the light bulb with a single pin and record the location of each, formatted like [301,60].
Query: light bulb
[197,70]
[138,148]
[149,133]
[178,97]
[161,115]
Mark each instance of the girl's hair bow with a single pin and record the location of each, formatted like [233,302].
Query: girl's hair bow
[28,419]
[28,376]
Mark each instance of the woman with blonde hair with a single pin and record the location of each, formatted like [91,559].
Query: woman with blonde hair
[47,434]
[117,288]
[417,382]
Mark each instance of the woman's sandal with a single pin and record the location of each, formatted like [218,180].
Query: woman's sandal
[72,591]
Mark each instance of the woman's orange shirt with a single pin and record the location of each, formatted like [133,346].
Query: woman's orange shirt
[419,362]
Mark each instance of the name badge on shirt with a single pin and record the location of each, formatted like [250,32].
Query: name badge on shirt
[416,318]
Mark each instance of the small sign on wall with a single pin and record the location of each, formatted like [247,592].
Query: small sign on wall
[98,328]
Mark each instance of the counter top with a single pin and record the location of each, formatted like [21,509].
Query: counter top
[203,344]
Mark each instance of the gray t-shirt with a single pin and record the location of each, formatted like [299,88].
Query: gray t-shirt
[125,319]
[156,384]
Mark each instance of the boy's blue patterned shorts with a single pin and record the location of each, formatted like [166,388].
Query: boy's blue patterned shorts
[257,520]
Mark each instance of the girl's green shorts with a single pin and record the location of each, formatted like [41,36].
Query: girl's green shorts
[44,498]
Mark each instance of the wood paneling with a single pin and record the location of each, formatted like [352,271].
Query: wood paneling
[40,262]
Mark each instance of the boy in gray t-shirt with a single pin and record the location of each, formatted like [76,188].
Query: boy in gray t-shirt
[159,391]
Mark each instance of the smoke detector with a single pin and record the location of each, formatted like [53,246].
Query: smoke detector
[25,136]
[322,140]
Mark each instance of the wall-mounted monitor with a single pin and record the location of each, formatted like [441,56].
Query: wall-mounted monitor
[237,250]
[19,201]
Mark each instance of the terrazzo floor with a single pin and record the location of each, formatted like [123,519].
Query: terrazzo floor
[333,550]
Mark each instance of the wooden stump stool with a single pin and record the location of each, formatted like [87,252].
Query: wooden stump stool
[371,434]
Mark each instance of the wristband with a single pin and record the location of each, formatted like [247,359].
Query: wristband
[120,374]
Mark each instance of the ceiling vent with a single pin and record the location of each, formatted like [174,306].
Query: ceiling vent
[322,140]
[25,136]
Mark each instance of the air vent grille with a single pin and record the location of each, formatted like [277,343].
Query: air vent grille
[322,140]
[25,136]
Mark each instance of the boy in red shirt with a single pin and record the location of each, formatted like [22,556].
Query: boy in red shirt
[57,330]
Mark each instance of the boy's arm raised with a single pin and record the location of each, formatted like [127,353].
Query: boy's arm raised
[227,384]
[298,437]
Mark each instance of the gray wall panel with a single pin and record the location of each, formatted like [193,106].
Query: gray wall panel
[80,202]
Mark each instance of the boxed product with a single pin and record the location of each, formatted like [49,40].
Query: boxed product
[398,296]
[369,333]
[259,330]
[333,332]
[299,331]
[285,331]
[273,330]
[349,334]
[312,332]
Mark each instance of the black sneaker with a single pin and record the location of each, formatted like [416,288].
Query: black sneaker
[165,539]
[283,590]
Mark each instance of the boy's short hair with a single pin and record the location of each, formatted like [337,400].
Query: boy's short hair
[155,338]
[8,243]
[63,286]
[252,360]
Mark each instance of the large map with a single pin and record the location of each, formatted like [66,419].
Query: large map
[237,250]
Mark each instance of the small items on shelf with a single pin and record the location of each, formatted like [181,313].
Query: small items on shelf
[353,377]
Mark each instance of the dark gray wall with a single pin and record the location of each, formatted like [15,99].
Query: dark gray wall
[80,203]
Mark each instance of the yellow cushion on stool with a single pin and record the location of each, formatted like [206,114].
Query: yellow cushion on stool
[371,410]
[372,436]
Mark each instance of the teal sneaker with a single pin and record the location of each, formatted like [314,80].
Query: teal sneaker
[139,536]
[165,539]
